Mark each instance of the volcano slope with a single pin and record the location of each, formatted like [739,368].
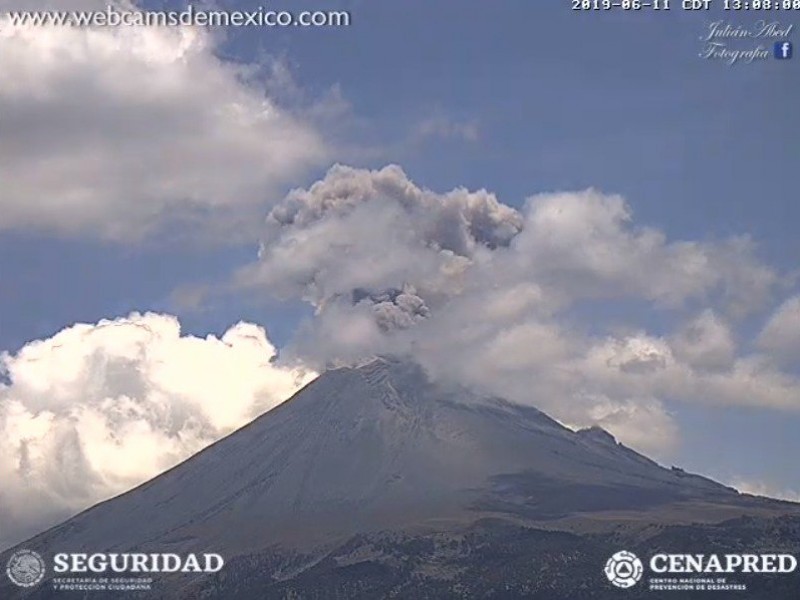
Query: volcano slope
[376,482]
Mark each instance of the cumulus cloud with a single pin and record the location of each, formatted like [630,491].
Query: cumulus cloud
[586,244]
[488,295]
[114,132]
[99,408]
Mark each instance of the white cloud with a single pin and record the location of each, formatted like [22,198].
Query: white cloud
[706,342]
[99,408]
[447,128]
[115,132]
[483,293]
[586,244]
[781,335]
[644,423]
[643,365]
[759,488]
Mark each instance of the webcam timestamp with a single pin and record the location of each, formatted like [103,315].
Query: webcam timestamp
[761,5]
[621,4]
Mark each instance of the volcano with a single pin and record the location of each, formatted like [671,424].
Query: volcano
[375,481]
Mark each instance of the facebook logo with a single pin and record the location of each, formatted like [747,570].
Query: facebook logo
[783,50]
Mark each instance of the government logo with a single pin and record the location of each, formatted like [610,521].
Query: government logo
[624,569]
[25,568]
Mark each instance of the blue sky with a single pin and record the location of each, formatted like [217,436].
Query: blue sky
[516,97]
